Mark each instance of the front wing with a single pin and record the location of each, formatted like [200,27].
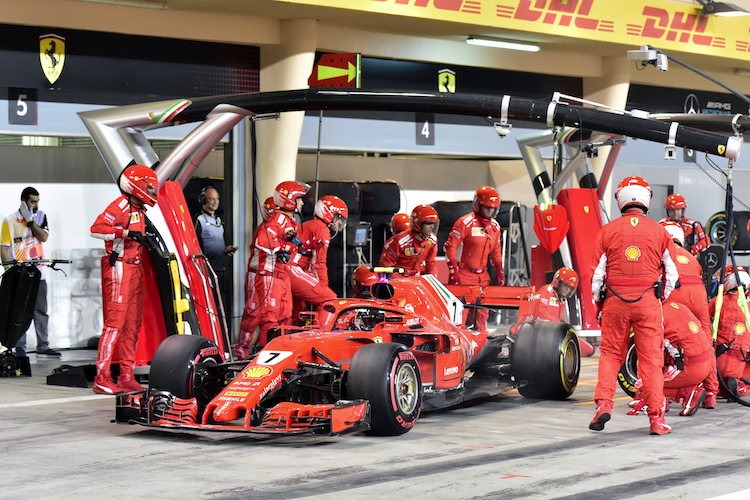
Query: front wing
[161,409]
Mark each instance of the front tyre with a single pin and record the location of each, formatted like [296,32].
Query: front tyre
[547,357]
[387,375]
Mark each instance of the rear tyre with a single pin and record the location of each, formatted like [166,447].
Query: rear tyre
[547,356]
[717,229]
[628,374]
[387,375]
[180,367]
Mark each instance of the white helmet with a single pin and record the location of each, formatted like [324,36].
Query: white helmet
[675,231]
[730,281]
[633,192]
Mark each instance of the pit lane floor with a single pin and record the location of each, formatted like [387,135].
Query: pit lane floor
[58,442]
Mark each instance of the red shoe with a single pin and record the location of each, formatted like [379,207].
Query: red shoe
[602,416]
[637,406]
[692,399]
[103,384]
[126,383]
[742,388]
[658,426]
[709,402]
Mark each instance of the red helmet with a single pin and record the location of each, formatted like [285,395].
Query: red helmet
[422,214]
[675,201]
[675,231]
[141,182]
[285,195]
[486,196]
[330,207]
[730,281]
[633,192]
[567,276]
[362,279]
[400,222]
[267,208]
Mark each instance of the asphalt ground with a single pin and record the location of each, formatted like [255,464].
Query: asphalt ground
[59,442]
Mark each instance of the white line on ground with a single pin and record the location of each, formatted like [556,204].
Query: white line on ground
[738,495]
[39,402]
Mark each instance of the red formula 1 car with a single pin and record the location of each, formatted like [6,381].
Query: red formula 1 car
[365,365]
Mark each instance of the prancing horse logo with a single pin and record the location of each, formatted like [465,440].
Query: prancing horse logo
[52,56]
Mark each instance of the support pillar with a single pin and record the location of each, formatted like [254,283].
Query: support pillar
[611,89]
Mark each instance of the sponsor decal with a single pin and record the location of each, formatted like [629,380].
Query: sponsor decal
[553,302]
[405,424]
[452,370]
[739,328]
[412,321]
[586,209]
[237,394]
[477,231]
[52,56]
[634,221]
[378,340]
[406,355]
[693,326]
[274,383]
[410,252]
[681,259]
[632,253]
[447,81]
[674,305]
[209,351]
[135,217]
[257,372]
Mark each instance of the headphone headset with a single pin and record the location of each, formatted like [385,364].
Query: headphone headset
[202,196]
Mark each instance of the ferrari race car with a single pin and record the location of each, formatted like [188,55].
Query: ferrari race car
[364,365]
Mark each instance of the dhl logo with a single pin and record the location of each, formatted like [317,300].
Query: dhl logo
[257,372]
[560,12]
[465,6]
[678,27]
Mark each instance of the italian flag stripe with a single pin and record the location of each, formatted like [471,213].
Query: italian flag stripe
[172,111]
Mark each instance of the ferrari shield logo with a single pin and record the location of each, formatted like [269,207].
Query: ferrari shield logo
[447,81]
[634,221]
[52,56]
[586,209]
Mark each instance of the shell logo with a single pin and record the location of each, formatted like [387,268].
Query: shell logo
[681,259]
[739,328]
[632,253]
[257,372]
[693,327]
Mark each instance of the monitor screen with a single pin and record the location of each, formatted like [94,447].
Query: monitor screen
[360,237]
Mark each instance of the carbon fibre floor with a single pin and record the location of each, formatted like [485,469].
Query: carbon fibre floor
[58,442]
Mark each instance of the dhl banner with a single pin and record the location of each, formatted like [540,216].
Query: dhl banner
[663,24]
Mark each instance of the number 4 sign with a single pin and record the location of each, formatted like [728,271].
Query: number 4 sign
[425,123]
[22,106]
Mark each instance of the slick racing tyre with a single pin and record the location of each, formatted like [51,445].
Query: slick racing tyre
[628,374]
[716,229]
[547,356]
[180,367]
[387,375]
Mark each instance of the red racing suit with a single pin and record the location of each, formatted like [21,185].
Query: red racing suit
[272,286]
[628,254]
[250,315]
[308,273]
[732,329]
[693,232]
[122,283]
[682,333]
[472,241]
[551,307]
[414,255]
[692,291]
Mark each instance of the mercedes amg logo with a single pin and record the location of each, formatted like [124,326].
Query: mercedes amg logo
[712,260]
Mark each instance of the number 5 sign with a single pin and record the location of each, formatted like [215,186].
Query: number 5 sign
[425,129]
[22,106]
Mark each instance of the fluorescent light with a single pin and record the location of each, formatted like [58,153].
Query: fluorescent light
[146,4]
[499,43]
[742,72]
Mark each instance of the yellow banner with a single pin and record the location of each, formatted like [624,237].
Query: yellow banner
[665,25]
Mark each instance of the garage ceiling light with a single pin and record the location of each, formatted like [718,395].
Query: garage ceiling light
[500,43]
[146,4]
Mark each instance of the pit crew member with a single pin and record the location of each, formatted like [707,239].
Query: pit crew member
[414,249]
[250,315]
[308,272]
[273,248]
[473,240]
[121,226]
[690,362]
[696,239]
[554,296]
[400,222]
[732,338]
[628,255]
[362,280]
